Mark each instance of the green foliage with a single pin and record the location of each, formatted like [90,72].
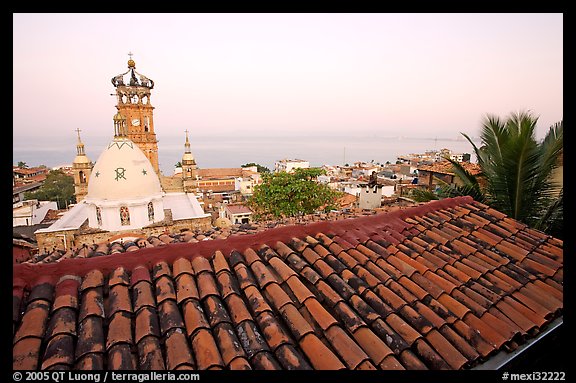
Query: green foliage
[58,187]
[261,169]
[291,194]
[22,164]
[423,195]
[178,164]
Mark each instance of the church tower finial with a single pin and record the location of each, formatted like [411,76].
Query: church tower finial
[81,167]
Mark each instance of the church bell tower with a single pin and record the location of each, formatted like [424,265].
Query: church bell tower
[81,167]
[133,94]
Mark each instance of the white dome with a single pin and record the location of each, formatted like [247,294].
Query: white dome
[123,172]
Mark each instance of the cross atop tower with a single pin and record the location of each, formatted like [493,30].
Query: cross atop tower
[130,54]
[78,131]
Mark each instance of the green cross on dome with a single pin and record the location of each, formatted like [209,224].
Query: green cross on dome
[120,173]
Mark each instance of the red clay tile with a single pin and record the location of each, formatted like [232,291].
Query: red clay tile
[335,263]
[205,350]
[436,236]
[237,309]
[354,281]
[250,256]
[239,364]
[405,330]
[389,297]
[256,301]
[119,330]
[489,294]
[299,245]
[59,351]
[372,344]
[411,362]
[322,317]
[182,266]
[91,361]
[295,321]
[159,269]
[427,285]
[536,313]
[444,284]
[363,309]
[34,320]
[263,274]
[291,359]
[329,297]
[274,333]
[227,284]
[454,305]
[120,358]
[358,256]
[312,256]
[311,275]
[215,311]
[507,330]
[265,360]
[165,289]
[336,249]
[486,331]
[186,288]
[139,273]
[349,351]
[417,319]
[438,312]
[432,359]
[283,250]
[460,344]
[94,278]
[283,270]
[383,274]
[278,297]
[251,339]
[348,317]
[372,250]
[473,337]
[194,316]
[42,291]
[177,350]
[457,274]
[340,286]
[146,323]
[548,288]
[511,250]
[118,276]
[323,238]
[245,276]
[228,342]
[403,293]
[323,268]
[367,276]
[26,354]
[537,268]
[390,337]
[90,336]
[301,292]
[219,262]
[206,284]
[405,268]
[169,315]
[448,277]
[539,297]
[446,350]
[119,300]
[62,321]
[143,295]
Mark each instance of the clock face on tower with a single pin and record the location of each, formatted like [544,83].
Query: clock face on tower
[135,122]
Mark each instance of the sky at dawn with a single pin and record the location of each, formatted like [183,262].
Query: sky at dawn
[432,75]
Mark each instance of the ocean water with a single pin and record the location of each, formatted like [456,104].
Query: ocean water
[236,150]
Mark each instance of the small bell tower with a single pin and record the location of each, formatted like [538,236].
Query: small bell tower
[133,94]
[81,167]
[189,167]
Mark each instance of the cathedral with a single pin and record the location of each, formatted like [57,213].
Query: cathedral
[123,195]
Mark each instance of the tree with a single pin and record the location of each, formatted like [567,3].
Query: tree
[517,171]
[58,187]
[261,169]
[22,164]
[285,194]
[178,164]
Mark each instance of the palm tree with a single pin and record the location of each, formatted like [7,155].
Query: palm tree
[517,170]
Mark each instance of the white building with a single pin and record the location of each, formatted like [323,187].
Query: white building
[31,212]
[288,166]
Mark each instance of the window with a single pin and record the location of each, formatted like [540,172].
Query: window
[82,177]
[124,216]
[150,211]
[99,216]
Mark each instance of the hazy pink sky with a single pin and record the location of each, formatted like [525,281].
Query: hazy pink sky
[403,74]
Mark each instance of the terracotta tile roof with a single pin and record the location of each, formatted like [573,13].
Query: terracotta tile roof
[445,167]
[444,285]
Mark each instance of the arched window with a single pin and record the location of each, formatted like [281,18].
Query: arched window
[150,211]
[99,216]
[82,177]
[124,216]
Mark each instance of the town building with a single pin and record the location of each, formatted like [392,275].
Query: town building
[288,165]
